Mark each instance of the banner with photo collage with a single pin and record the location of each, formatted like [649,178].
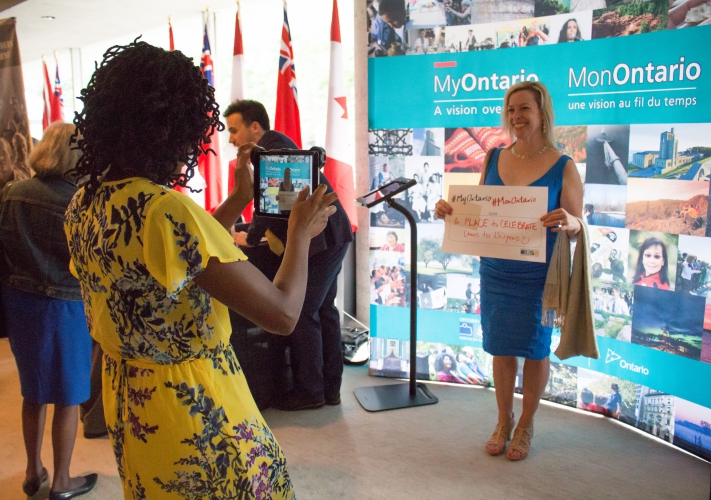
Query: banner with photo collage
[634,113]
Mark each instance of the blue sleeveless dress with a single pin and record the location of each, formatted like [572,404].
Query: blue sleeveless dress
[512,290]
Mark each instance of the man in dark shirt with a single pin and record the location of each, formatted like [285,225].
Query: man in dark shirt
[315,344]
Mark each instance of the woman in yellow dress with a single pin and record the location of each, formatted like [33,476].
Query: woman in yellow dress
[157,274]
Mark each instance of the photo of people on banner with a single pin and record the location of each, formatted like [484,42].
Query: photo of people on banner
[646,195]
[435,361]
[389,282]
[15,139]
[463,287]
[455,364]
[384,169]
[421,197]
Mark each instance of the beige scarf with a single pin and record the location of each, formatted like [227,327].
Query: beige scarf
[568,298]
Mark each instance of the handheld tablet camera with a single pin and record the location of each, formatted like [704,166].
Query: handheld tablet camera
[279,176]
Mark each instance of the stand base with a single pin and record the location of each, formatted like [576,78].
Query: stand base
[394,396]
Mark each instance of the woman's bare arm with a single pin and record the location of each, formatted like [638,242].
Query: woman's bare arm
[242,193]
[571,203]
[244,289]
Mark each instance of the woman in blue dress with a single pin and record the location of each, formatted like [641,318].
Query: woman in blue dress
[44,312]
[512,291]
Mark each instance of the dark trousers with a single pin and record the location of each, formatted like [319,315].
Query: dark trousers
[315,346]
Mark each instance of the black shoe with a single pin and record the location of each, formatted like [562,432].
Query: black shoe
[81,490]
[95,435]
[333,400]
[31,489]
[294,402]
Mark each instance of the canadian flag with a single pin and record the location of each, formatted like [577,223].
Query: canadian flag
[339,153]
[48,96]
[238,93]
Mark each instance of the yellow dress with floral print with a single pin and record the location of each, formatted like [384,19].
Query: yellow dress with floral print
[180,416]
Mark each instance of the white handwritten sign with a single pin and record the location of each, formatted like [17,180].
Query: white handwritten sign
[497,221]
[286,200]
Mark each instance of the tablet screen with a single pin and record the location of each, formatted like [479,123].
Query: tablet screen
[396,186]
[281,177]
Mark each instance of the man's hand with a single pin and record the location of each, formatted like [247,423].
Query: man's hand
[243,174]
[240,238]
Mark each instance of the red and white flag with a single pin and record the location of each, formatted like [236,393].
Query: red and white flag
[286,118]
[48,96]
[57,101]
[170,35]
[238,88]
[339,153]
[238,93]
[209,164]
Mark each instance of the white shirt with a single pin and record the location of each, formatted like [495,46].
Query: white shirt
[618,306]
[422,45]
[687,271]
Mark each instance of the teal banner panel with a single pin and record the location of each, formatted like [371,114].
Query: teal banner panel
[619,80]
[432,326]
[649,367]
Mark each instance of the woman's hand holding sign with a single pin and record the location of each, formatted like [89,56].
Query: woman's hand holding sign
[560,220]
[442,208]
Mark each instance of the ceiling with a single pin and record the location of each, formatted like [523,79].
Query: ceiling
[6,4]
[78,23]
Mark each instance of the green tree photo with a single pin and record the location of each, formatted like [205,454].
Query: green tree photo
[443,258]
[550,8]
[426,249]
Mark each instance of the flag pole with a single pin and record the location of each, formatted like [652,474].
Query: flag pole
[47,96]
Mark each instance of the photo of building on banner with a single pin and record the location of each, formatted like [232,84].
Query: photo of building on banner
[638,132]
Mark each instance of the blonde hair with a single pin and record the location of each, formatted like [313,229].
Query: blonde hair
[545,103]
[53,154]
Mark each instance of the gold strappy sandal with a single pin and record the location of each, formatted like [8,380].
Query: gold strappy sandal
[501,435]
[521,443]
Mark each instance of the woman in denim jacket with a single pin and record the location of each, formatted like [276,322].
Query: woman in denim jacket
[44,312]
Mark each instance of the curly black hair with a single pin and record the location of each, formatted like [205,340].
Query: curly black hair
[146,110]
[439,363]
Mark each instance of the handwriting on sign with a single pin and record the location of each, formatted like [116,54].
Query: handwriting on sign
[514,200]
[502,222]
[472,222]
[498,230]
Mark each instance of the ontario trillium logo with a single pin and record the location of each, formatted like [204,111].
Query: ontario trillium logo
[612,356]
